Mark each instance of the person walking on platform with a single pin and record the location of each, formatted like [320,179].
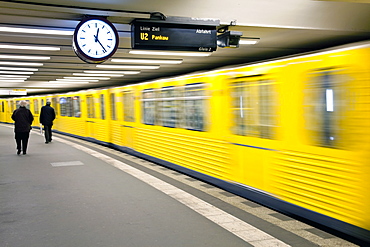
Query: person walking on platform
[47,117]
[23,119]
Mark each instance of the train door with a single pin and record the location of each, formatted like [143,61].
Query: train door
[10,109]
[128,99]
[253,127]
[2,111]
[36,111]
[115,130]
[101,127]
[90,121]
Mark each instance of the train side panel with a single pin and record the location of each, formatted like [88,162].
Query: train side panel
[175,125]
[69,115]
[321,163]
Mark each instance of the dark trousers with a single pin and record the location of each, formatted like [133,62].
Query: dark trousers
[47,130]
[22,140]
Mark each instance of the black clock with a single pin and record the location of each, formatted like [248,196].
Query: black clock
[95,40]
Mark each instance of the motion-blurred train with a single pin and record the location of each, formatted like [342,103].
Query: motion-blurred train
[292,133]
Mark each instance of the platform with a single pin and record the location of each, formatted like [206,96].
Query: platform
[71,193]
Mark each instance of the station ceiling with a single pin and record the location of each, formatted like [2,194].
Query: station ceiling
[283,27]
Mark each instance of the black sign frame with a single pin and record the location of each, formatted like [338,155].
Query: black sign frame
[156,35]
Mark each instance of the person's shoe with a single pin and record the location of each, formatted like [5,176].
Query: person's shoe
[19,151]
[46,142]
[24,153]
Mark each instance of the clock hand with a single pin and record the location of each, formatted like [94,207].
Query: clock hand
[101,45]
[97,40]
[96,36]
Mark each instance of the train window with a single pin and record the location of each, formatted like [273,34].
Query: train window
[102,106]
[325,103]
[158,106]
[65,106]
[238,108]
[254,108]
[194,106]
[69,106]
[169,107]
[128,106]
[2,106]
[76,106]
[90,106]
[27,105]
[113,106]
[54,104]
[17,104]
[148,106]
[12,107]
[42,102]
[62,103]
[36,106]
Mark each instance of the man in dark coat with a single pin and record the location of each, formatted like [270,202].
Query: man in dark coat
[47,117]
[23,119]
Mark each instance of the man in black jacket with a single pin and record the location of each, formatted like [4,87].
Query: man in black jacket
[47,117]
[23,119]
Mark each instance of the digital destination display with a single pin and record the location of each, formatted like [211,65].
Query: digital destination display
[167,36]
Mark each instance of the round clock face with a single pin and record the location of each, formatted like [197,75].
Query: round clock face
[95,40]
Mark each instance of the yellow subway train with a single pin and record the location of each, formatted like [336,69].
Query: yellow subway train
[292,133]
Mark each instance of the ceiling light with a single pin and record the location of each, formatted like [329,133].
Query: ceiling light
[248,41]
[16,68]
[73,80]
[11,81]
[28,47]
[15,76]
[61,82]
[155,61]
[165,53]
[111,75]
[127,66]
[24,57]
[86,78]
[17,72]
[112,72]
[21,64]
[35,31]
